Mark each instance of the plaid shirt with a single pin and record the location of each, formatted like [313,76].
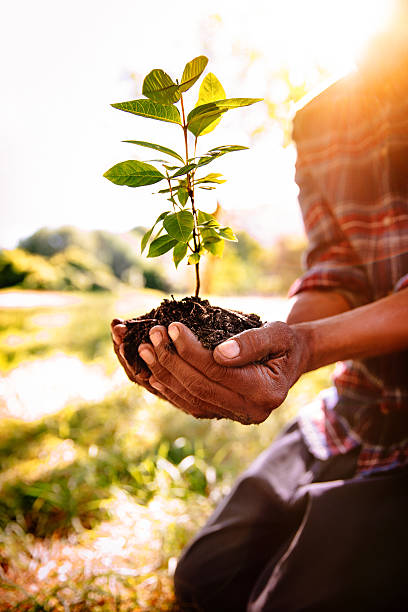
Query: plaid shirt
[352,171]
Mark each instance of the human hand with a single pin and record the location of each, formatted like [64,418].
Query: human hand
[135,373]
[244,379]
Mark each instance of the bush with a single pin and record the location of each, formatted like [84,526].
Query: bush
[20,268]
[72,269]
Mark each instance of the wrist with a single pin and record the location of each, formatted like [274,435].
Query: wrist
[305,337]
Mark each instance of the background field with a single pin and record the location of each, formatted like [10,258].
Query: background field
[101,484]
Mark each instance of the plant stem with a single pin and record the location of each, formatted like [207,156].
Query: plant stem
[190,189]
[171,190]
[184,127]
[197,271]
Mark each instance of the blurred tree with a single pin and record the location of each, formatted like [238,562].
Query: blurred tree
[17,266]
[48,242]
[70,258]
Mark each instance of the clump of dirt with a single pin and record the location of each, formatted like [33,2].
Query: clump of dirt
[211,324]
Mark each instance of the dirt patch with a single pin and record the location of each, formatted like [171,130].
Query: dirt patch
[211,324]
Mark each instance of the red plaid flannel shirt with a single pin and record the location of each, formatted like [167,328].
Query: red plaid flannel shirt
[352,171]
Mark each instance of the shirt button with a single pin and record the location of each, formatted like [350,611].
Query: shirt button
[387,221]
[384,151]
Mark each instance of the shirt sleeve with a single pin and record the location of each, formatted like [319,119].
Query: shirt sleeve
[330,261]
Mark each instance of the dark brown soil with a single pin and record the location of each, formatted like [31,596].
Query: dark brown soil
[211,324]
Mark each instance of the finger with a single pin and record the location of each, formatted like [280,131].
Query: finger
[118,332]
[184,404]
[254,345]
[175,391]
[131,372]
[182,378]
[192,351]
[144,382]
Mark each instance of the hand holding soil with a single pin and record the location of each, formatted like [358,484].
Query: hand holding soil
[246,387]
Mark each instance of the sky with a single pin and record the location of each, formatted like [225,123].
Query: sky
[65,62]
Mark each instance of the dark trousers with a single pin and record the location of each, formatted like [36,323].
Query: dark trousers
[297,533]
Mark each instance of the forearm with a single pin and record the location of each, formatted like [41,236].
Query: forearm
[316,304]
[375,329]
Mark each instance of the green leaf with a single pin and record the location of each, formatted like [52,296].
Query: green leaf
[179,225]
[179,252]
[202,116]
[213,154]
[133,174]
[159,87]
[184,170]
[149,232]
[210,90]
[157,147]
[211,178]
[145,239]
[227,149]
[210,235]
[192,72]
[194,258]
[206,159]
[237,102]
[215,247]
[202,217]
[209,223]
[182,195]
[150,110]
[161,245]
[227,234]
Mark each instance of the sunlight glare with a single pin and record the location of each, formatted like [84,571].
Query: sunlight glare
[329,34]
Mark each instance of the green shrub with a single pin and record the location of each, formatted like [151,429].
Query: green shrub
[18,267]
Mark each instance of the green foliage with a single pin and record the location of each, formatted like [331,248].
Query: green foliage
[210,91]
[18,267]
[181,231]
[71,259]
[151,110]
[192,72]
[133,174]
[157,147]
[71,269]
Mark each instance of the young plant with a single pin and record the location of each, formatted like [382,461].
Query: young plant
[183,228]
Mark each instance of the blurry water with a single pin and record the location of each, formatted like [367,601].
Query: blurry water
[44,386]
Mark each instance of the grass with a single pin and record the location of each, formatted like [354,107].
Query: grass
[98,499]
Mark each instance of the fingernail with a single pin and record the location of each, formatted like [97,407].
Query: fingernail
[147,356]
[229,349]
[174,332]
[158,386]
[122,351]
[156,338]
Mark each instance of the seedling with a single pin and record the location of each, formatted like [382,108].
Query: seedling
[182,227]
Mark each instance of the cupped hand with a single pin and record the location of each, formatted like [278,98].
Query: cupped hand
[137,375]
[244,379]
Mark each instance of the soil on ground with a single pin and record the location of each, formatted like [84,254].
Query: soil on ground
[211,324]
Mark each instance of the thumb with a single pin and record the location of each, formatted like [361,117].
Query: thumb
[259,344]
